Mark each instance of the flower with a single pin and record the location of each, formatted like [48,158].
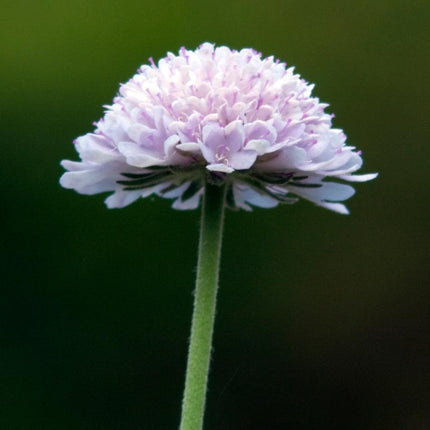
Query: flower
[219,115]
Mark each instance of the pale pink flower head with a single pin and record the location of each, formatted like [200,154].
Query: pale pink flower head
[218,115]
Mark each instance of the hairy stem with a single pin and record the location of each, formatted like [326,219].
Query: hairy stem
[199,352]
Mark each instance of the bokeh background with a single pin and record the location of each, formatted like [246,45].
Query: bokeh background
[323,319]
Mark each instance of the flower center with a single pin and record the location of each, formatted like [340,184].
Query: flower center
[222,154]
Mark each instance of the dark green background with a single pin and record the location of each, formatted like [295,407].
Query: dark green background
[323,319]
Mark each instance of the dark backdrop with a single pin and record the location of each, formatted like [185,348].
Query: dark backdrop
[323,319]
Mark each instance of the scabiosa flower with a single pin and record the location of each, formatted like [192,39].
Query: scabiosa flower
[217,115]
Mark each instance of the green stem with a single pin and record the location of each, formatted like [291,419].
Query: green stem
[199,352]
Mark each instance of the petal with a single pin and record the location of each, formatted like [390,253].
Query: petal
[260,130]
[89,181]
[192,147]
[330,191]
[244,195]
[208,153]
[318,147]
[359,178]
[76,166]
[138,157]
[140,133]
[219,167]
[337,160]
[176,192]
[259,145]
[234,135]
[294,130]
[191,203]
[213,136]
[289,158]
[170,143]
[96,148]
[335,207]
[326,195]
[122,198]
[243,159]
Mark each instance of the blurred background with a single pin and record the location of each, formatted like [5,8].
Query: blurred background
[323,319]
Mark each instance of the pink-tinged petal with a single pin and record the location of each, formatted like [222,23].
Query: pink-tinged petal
[213,136]
[96,148]
[289,158]
[294,130]
[140,133]
[260,146]
[160,119]
[352,165]
[242,160]
[234,136]
[277,146]
[170,143]
[337,160]
[338,173]
[260,130]
[76,166]
[137,157]
[192,147]
[92,181]
[319,146]
[264,112]
[208,153]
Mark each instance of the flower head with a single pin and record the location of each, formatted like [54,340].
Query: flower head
[218,115]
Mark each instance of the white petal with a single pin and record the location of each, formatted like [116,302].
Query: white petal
[335,207]
[176,192]
[96,148]
[208,153]
[336,161]
[234,135]
[89,181]
[260,200]
[359,178]
[122,198]
[244,195]
[189,147]
[170,143]
[137,157]
[76,166]
[331,191]
[260,130]
[191,203]
[342,172]
[259,145]
[242,160]
[139,133]
[287,159]
[213,135]
[327,195]
[219,168]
